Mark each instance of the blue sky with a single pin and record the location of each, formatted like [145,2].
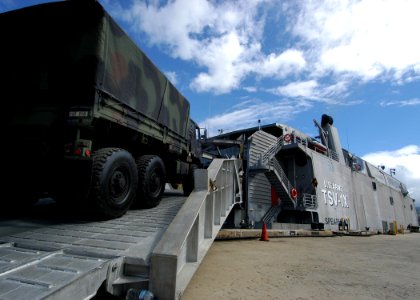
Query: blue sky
[289,62]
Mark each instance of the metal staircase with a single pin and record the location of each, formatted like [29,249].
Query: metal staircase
[282,188]
[283,185]
[271,214]
[273,150]
[276,175]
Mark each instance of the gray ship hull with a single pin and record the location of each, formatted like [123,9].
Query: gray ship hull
[294,181]
[364,197]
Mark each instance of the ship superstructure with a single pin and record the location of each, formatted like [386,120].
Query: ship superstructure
[297,181]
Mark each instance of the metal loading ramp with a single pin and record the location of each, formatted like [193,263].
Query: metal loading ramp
[44,257]
[49,259]
[35,274]
[188,238]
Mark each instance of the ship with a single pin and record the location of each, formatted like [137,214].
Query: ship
[294,181]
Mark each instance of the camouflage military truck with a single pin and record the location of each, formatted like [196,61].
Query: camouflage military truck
[86,114]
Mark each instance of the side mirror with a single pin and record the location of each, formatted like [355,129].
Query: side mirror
[202,133]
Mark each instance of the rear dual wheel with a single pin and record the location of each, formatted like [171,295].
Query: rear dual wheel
[114,182]
[117,179]
[151,170]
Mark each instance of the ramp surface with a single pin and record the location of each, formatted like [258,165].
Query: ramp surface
[46,253]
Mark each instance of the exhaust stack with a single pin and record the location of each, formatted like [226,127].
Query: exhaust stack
[333,139]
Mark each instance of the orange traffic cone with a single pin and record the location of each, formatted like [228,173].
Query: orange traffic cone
[264,234]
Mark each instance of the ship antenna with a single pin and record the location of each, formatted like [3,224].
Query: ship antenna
[347,138]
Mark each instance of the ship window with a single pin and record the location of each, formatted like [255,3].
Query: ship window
[411,206]
[374,185]
[391,200]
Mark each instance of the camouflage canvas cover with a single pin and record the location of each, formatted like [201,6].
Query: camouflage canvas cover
[67,53]
[129,75]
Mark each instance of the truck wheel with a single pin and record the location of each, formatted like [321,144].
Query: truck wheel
[151,180]
[188,181]
[114,182]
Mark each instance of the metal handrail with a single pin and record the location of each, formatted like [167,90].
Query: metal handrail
[272,150]
[333,154]
[273,211]
[282,176]
[309,201]
[279,143]
[188,238]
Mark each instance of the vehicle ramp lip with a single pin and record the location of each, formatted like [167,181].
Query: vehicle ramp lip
[42,274]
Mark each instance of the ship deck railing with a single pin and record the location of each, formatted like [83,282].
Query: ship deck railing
[316,146]
[309,201]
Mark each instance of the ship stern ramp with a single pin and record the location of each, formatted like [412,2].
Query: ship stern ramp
[48,257]
[57,257]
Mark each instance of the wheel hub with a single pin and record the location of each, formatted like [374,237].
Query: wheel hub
[155,183]
[118,183]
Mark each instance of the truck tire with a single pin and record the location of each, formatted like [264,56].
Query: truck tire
[114,182]
[151,172]
[188,181]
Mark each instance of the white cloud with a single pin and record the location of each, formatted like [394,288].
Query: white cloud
[172,23]
[172,77]
[226,60]
[247,113]
[364,38]
[339,88]
[409,102]
[406,161]
[305,41]
[307,89]
[281,65]
[313,91]
[223,38]
[250,89]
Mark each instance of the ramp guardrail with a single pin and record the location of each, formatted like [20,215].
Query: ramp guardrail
[188,238]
